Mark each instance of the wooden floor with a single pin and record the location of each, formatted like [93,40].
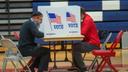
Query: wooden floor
[120,61]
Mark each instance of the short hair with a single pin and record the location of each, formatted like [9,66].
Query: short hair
[37,14]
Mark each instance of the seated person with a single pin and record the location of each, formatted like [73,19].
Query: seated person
[91,41]
[27,46]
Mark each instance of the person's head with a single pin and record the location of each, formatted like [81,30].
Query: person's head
[37,17]
[83,12]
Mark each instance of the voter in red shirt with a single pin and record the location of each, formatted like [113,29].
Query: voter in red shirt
[90,41]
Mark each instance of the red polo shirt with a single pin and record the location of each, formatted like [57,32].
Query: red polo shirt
[89,30]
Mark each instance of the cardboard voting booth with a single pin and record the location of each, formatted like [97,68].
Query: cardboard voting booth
[60,21]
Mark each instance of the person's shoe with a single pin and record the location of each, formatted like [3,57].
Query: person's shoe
[32,69]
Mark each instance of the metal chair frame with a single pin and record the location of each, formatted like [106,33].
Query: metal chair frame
[13,54]
[103,47]
[105,55]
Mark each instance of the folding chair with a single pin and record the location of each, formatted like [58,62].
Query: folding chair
[32,59]
[107,54]
[13,55]
[103,47]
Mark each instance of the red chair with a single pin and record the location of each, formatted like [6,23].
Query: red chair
[106,54]
[103,47]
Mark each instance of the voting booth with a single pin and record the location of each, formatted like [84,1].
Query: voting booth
[60,24]
[60,21]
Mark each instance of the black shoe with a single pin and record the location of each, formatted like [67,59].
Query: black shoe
[32,69]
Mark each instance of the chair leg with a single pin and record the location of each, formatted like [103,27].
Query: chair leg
[84,55]
[106,60]
[114,69]
[98,67]
[111,66]
[97,61]
[93,63]
[15,66]
[30,61]
[102,66]
[21,63]
[4,65]
[26,67]
[109,61]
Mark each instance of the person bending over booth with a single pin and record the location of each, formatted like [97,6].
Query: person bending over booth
[90,41]
[27,46]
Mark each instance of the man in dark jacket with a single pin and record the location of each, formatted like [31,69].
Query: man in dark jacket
[28,32]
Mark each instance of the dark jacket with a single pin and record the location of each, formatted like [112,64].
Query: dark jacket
[28,32]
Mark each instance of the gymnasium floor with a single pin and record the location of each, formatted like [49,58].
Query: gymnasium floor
[120,61]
